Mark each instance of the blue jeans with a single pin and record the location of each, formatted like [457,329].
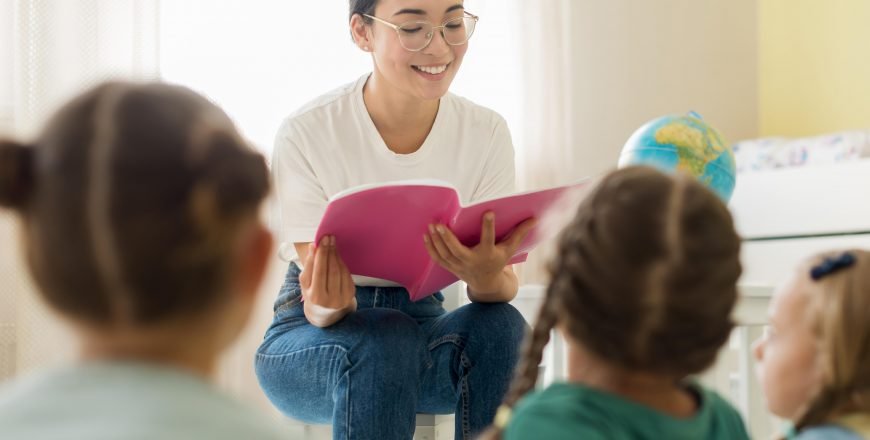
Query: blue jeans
[373,371]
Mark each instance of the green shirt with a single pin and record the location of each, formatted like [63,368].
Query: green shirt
[569,411]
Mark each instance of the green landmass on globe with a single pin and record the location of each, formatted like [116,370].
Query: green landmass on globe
[684,143]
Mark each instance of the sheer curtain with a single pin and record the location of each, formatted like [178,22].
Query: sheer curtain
[53,49]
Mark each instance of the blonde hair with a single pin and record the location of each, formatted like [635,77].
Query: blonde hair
[840,312]
[645,277]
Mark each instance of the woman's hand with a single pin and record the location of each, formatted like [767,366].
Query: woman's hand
[327,287]
[482,267]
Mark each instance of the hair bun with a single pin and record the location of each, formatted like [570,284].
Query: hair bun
[16,174]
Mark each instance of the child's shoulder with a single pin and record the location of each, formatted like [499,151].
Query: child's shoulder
[722,413]
[827,432]
[715,402]
[557,411]
[566,410]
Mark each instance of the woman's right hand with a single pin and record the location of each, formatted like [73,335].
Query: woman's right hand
[327,287]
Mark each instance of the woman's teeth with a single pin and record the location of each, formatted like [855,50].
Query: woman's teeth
[432,70]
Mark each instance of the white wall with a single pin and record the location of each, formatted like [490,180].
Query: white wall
[634,60]
[7,36]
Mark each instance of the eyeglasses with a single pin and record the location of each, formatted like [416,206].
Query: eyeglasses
[415,36]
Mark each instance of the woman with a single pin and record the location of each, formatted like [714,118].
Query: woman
[357,352]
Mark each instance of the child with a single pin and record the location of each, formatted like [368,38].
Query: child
[642,288]
[815,360]
[139,206]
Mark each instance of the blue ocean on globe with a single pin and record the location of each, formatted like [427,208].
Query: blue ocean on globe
[684,143]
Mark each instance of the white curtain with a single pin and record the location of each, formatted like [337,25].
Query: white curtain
[546,147]
[57,48]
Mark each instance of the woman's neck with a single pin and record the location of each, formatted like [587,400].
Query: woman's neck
[403,121]
[662,393]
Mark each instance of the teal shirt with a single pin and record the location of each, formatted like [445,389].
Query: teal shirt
[567,411]
[110,401]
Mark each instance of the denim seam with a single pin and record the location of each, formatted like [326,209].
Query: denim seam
[453,339]
[465,396]
[446,339]
[288,305]
[347,401]
[317,347]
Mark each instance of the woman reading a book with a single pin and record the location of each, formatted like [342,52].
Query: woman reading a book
[356,352]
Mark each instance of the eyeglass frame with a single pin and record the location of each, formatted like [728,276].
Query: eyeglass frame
[440,28]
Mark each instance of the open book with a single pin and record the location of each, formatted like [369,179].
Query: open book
[379,228]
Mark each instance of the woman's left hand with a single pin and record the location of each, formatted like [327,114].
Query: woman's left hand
[482,266]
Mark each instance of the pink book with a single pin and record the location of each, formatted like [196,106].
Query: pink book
[379,228]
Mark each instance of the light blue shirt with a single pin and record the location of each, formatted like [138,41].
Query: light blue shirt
[101,401]
[826,432]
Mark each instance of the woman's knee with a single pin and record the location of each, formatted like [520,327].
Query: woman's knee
[388,340]
[499,321]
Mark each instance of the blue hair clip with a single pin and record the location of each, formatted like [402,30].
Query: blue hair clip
[831,265]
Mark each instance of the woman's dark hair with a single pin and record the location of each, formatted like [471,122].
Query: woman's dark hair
[644,277]
[132,200]
[363,8]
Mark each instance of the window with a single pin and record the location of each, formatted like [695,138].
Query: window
[263,60]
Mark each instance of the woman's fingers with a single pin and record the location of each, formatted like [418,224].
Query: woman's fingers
[435,255]
[457,250]
[436,236]
[320,266]
[348,289]
[305,276]
[333,279]
[519,234]
[487,230]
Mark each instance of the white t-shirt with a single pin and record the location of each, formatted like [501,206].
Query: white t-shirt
[331,145]
[133,401]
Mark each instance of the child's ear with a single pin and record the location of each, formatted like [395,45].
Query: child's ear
[255,259]
[360,32]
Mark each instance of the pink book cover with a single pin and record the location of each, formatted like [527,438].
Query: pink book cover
[379,228]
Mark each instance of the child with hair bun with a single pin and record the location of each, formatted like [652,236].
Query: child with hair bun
[814,361]
[139,210]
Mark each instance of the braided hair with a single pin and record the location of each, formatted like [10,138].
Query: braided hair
[644,277]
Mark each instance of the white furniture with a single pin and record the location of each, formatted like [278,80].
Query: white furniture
[785,216]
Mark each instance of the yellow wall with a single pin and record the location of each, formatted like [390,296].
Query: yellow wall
[814,66]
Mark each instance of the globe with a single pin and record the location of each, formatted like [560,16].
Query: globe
[684,143]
